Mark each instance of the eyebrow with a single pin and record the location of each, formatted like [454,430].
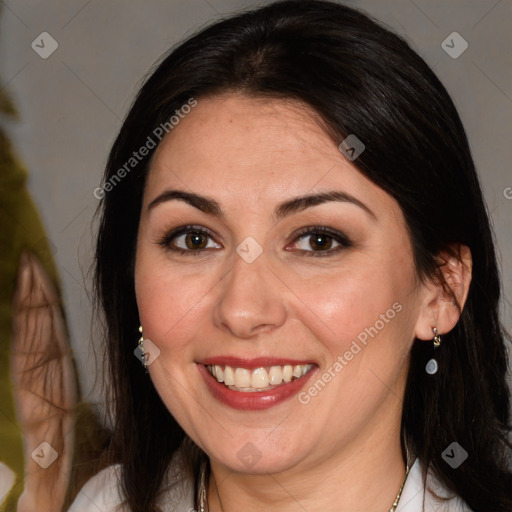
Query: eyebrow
[294,205]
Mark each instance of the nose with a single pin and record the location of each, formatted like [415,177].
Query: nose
[250,301]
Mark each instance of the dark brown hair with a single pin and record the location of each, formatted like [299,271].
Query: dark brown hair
[361,79]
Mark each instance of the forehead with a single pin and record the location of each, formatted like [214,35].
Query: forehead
[254,151]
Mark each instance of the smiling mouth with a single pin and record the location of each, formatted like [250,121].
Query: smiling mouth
[259,379]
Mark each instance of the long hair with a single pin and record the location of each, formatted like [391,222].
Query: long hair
[361,79]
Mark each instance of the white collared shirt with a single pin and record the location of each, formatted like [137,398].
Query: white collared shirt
[101,494]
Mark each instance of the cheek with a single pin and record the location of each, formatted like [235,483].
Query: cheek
[169,303]
[350,304]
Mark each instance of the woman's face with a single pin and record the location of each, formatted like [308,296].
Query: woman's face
[258,278]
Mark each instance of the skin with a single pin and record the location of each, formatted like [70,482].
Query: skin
[44,388]
[250,155]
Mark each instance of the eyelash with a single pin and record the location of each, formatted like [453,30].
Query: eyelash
[343,241]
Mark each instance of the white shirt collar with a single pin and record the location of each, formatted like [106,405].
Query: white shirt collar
[418,497]
[101,493]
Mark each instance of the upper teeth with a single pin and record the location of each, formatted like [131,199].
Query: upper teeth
[259,377]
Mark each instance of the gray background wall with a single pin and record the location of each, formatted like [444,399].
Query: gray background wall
[72,103]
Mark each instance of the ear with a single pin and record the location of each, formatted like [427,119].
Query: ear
[445,294]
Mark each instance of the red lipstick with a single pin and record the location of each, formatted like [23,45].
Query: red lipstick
[253,400]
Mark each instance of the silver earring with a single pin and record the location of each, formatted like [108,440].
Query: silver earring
[141,347]
[432,366]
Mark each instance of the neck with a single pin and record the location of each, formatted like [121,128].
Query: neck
[365,475]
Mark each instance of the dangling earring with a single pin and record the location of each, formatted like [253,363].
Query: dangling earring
[432,366]
[141,348]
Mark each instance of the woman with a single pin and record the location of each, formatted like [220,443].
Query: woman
[292,219]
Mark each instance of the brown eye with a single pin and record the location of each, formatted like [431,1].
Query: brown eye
[196,240]
[189,240]
[316,242]
[320,241]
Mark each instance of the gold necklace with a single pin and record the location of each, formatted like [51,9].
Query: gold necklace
[202,495]
[398,496]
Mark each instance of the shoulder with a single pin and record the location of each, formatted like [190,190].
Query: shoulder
[103,492]
[424,492]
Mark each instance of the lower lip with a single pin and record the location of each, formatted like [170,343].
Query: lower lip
[256,400]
